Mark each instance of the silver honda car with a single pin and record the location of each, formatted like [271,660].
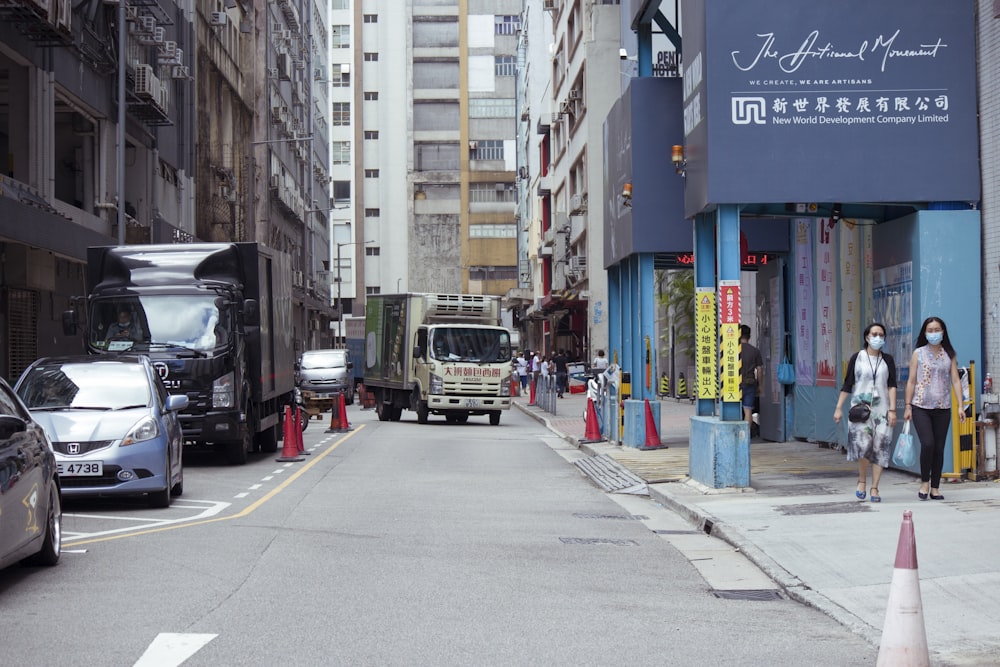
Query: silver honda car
[114,428]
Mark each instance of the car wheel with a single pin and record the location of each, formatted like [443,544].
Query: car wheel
[178,488]
[494,418]
[161,499]
[52,544]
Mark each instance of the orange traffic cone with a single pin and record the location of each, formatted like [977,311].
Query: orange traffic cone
[531,392]
[904,638]
[593,430]
[344,424]
[334,420]
[298,431]
[652,435]
[290,448]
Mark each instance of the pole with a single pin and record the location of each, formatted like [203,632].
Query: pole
[120,130]
[340,302]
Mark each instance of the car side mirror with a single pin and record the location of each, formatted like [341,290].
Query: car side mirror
[176,402]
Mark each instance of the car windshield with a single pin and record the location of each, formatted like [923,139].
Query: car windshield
[323,360]
[100,385]
[468,344]
[192,322]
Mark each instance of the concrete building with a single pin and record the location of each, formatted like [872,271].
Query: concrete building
[436,155]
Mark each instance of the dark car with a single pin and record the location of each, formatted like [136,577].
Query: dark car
[112,424]
[30,507]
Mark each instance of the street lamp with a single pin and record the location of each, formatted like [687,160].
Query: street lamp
[340,303]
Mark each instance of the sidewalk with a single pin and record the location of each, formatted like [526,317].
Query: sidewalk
[802,525]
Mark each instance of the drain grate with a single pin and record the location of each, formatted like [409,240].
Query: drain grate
[623,517]
[677,532]
[752,595]
[823,508]
[598,540]
[611,475]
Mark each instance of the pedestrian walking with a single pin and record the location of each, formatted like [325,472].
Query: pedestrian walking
[521,364]
[933,377]
[751,361]
[561,362]
[870,381]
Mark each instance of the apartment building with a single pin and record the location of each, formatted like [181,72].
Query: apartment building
[435,145]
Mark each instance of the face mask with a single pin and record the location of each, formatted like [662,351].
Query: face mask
[876,342]
[935,338]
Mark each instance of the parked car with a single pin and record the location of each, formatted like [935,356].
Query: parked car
[114,428]
[30,507]
[322,374]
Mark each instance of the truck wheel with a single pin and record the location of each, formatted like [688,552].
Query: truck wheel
[396,414]
[267,440]
[494,418]
[383,411]
[422,412]
[237,451]
[462,417]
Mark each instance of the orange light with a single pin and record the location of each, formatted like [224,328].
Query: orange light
[677,154]
[627,191]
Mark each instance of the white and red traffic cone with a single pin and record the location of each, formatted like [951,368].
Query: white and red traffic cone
[904,638]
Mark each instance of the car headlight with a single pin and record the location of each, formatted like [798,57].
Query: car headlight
[147,429]
[223,395]
[437,384]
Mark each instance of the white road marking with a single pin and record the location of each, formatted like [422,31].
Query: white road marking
[72,551]
[241,495]
[210,509]
[267,479]
[278,471]
[254,487]
[170,649]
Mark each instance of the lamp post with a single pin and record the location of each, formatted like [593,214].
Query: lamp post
[340,302]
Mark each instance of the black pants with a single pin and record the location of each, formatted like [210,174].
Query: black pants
[932,431]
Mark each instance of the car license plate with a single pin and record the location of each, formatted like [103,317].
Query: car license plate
[326,395]
[81,468]
[472,402]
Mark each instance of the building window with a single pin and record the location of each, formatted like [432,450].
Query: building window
[372,289]
[493,231]
[491,193]
[341,191]
[486,149]
[371,134]
[340,37]
[372,251]
[492,273]
[504,65]
[371,18]
[371,173]
[341,152]
[340,4]
[340,75]
[487,107]
[371,96]
[372,212]
[371,56]
[507,25]
[341,113]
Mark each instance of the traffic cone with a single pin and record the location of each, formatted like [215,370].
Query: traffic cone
[289,448]
[593,429]
[904,639]
[652,435]
[344,424]
[298,432]
[531,392]
[334,421]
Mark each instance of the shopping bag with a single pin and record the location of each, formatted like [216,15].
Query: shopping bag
[786,372]
[905,453]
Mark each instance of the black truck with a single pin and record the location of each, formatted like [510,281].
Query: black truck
[216,320]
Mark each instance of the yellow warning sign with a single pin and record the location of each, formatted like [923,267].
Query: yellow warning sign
[731,363]
[705,343]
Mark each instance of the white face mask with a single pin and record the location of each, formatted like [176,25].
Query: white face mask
[934,338]
[876,342]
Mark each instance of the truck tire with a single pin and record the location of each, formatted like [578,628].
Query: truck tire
[495,418]
[397,413]
[422,412]
[267,440]
[383,411]
[237,451]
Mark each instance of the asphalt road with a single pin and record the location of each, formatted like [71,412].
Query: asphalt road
[399,544]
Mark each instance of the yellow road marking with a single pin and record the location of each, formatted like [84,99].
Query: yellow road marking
[246,511]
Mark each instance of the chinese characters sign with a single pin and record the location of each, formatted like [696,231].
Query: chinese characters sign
[705,358]
[826,304]
[729,337]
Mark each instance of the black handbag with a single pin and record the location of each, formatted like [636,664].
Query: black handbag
[860,412]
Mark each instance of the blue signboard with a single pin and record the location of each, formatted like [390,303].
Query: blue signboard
[848,101]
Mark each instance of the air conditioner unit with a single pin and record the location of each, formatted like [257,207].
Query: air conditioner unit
[578,263]
[275,181]
[564,106]
[575,94]
[159,34]
[147,24]
[545,251]
[272,72]
[179,72]
[577,204]
[219,18]
[168,49]
[276,28]
[473,145]
[131,13]
[147,86]
[64,15]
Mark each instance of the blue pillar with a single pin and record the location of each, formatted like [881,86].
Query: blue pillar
[704,276]
[728,240]
[614,310]
[645,52]
[647,325]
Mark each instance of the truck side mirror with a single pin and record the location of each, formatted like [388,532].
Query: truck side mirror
[418,352]
[350,365]
[251,316]
[69,322]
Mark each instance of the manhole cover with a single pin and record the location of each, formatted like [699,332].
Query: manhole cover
[823,508]
[753,595]
[598,540]
[623,517]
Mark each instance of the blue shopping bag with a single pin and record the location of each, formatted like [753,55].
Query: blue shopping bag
[905,453]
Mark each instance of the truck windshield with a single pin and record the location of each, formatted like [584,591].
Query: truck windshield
[135,323]
[467,344]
